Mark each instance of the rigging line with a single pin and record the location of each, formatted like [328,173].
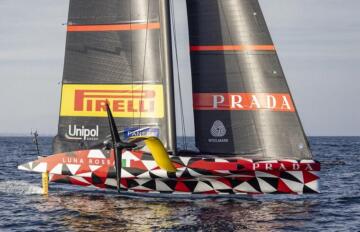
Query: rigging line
[178,76]
[145,50]
[238,66]
[131,63]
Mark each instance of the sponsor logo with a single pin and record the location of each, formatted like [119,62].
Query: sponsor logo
[258,166]
[284,166]
[82,133]
[126,101]
[89,161]
[243,101]
[146,131]
[218,131]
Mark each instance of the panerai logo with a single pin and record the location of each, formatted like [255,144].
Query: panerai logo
[82,133]
[218,131]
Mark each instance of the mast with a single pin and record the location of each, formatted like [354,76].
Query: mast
[166,47]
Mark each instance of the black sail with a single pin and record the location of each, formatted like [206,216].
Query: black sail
[242,102]
[113,53]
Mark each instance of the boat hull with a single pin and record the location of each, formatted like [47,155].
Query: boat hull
[195,175]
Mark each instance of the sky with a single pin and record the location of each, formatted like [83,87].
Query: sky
[317,43]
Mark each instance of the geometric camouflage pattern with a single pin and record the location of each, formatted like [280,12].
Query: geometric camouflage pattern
[194,175]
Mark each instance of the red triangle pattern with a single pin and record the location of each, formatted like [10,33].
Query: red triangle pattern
[102,172]
[124,183]
[283,188]
[309,177]
[181,187]
[138,164]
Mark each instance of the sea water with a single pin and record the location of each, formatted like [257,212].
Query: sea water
[69,208]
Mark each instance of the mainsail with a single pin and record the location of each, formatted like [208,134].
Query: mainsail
[115,53]
[242,102]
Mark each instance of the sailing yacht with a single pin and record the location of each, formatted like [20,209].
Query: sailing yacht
[117,123]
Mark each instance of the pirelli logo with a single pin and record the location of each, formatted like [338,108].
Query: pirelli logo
[126,101]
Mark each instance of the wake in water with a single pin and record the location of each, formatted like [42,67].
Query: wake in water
[19,187]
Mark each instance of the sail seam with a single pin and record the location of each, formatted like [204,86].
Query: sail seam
[233,48]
